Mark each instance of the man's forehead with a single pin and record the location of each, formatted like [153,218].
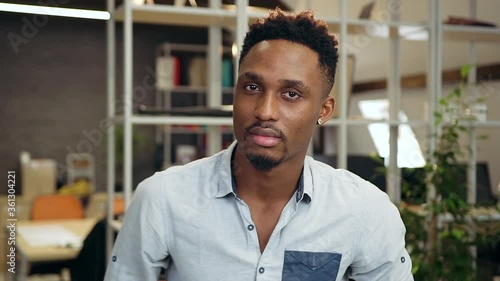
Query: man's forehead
[283,49]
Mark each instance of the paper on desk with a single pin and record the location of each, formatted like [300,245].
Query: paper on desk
[49,235]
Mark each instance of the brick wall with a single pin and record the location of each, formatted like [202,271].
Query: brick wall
[53,89]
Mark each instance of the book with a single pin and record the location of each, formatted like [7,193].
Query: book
[227,73]
[168,72]
[197,72]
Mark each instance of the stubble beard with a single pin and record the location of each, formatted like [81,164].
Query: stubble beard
[263,163]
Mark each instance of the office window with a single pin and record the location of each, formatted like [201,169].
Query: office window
[409,152]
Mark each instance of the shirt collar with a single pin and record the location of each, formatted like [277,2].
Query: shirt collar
[307,180]
[226,182]
[225,186]
[302,193]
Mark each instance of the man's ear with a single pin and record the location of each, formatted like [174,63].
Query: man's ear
[327,109]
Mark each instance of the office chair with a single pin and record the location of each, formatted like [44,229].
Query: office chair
[90,265]
[50,207]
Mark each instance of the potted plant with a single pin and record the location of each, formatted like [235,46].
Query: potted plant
[441,237]
[140,143]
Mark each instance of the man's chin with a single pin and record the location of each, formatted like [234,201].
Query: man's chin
[263,163]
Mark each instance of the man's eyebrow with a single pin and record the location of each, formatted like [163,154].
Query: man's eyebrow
[291,83]
[294,84]
[251,76]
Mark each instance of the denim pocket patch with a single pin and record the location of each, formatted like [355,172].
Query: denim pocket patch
[310,266]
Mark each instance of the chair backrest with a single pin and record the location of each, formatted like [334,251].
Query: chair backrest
[47,207]
[119,206]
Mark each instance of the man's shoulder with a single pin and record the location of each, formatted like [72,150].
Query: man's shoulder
[183,175]
[336,176]
[346,183]
[196,166]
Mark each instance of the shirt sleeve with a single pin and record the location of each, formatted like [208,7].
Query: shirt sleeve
[380,247]
[140,250]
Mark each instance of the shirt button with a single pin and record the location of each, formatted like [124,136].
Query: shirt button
[261,270]
[114,258]
[250,227]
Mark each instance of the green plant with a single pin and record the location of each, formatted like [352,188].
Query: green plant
[442,249]
[140,143]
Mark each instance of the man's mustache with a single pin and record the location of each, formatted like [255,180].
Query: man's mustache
[265,125]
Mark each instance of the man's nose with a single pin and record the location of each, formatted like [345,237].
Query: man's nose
[267,107]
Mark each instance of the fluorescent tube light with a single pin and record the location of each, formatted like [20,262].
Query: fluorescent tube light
[54,11]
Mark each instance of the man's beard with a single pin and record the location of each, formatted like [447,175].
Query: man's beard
[263,163]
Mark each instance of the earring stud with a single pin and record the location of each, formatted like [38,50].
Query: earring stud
[319,122]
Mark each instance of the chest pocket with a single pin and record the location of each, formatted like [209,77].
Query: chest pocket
[310,266]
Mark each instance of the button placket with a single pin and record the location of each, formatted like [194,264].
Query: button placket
[246,218]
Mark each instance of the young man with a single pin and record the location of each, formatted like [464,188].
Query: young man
[262,209]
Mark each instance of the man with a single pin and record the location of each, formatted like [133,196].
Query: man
[262,210]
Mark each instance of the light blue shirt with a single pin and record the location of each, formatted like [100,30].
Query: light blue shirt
[189,219]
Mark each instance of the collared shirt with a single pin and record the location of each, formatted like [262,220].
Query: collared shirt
[190,220]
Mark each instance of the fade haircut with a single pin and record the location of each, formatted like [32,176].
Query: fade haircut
[301,28]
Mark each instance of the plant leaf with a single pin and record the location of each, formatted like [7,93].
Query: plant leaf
[464,71]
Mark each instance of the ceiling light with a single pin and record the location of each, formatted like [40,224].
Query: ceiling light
[54,11]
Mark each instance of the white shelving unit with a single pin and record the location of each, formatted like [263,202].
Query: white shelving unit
[236,18]
[164,96]
[472,35]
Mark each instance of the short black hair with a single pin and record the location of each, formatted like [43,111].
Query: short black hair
[300,28]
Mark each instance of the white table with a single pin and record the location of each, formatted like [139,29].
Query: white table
[28,253]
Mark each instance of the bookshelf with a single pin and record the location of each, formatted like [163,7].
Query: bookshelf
[182,81]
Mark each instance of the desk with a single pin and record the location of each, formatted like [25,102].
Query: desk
[27,253]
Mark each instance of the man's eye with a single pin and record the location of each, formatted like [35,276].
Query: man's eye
[252,87]
[291,95]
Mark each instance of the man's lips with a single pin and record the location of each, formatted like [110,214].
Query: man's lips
[265,137]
